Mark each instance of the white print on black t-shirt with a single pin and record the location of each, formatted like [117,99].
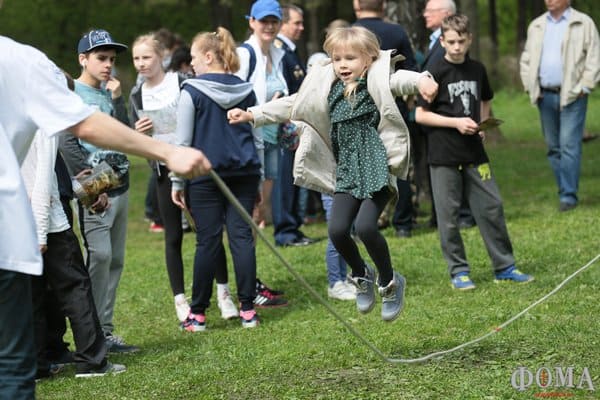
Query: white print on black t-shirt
[463,89]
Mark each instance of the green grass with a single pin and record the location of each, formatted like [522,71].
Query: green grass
[302,352]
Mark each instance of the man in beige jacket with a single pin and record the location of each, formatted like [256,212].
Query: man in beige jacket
[560,65]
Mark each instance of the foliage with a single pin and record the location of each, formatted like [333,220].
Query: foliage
[302,352]
[55,26]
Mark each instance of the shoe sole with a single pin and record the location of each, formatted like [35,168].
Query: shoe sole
[341,298]
[122,351]
[194,330]
[98,374]
[271,306]
[501,281]
[464,288]
[250,325]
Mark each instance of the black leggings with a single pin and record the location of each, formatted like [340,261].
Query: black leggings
[347,209]
[171,218]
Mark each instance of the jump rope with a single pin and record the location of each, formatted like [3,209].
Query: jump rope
[344,322]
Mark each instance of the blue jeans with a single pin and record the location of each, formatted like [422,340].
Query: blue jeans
[336,266]
[563,131]
[17,345]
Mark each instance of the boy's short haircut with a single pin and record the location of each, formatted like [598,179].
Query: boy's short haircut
[458,23]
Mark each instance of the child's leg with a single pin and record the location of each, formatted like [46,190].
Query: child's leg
[208,206]
[241,241]
[170,216]
[486,204]
[368,232]
[343,211]
[447,188]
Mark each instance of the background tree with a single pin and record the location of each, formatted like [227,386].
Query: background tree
[56,26]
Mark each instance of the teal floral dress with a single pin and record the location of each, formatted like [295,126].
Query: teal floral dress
[359,152]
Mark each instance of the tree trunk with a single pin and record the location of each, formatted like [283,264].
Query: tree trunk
[469,8]
[409,14]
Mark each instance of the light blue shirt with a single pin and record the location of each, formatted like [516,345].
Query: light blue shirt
[274,85]
[101,99]
[551,68]
[434,37]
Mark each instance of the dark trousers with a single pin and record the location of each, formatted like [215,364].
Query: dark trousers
[170,215]
[17,346]
[364,213]
[212,210]
[151,202]
[450,184]
[404,210]
[288,219]
[66,276]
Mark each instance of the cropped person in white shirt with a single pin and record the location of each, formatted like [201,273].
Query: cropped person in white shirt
[35,97]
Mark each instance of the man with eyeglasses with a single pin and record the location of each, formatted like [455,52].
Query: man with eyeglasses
[434,13]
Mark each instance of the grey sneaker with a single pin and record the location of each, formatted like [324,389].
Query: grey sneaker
[365,290]
[392,297]
[108,369]
[116,345]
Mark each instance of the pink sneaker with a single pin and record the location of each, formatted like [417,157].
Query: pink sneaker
[249,319]
[194,323]
[156,228]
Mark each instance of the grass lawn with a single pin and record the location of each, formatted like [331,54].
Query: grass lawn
[303,352]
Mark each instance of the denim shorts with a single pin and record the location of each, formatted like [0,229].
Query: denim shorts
[272,159]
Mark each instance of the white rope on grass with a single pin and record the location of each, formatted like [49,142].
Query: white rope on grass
[352,330]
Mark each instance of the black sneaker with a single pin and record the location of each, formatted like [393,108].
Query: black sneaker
[116,345]
[265,299]
[261,287]
[108,369]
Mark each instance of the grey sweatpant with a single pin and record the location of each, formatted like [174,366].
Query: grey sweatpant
[105,235]
[478,185]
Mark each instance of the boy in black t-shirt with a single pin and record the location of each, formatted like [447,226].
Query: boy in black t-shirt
[457,160]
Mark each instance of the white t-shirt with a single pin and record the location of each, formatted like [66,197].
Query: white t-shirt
[33,94]
[42,187]
[160,104]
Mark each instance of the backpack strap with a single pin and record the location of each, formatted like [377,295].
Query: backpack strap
[252,65]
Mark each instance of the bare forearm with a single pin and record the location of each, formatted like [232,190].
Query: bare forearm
[486,107]
[425,117]
[106,132]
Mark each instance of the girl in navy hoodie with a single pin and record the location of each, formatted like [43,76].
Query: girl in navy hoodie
[202,123]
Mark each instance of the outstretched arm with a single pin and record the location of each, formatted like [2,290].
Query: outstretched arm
[238,116]
[106,132]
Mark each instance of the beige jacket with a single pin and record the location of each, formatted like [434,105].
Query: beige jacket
[580,57]
[314,163]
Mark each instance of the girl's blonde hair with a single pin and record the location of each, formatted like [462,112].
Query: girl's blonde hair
[150,39]
[221,43]
[358,38]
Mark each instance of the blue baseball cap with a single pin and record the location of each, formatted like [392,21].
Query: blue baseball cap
[98,38]
[265,8]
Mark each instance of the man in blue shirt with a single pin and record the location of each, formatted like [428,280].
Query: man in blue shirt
[560,65]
